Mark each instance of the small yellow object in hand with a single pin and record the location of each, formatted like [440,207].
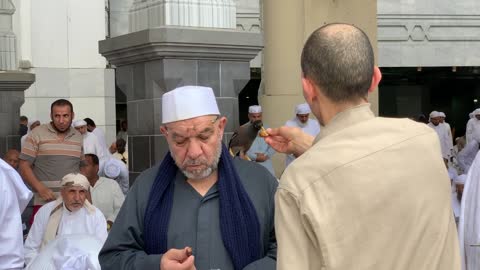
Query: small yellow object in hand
[263,132]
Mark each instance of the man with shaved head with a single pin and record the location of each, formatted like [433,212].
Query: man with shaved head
[367,192]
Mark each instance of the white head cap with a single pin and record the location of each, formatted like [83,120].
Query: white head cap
[471,115]
[75,180]
[188,102]
[302,109]
[434,114]
[79,123]
[442,114]
[111,169]
[255,109]
[477,111]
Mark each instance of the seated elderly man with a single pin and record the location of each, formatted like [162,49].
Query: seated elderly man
[106,193]
[198,209]
[71,213]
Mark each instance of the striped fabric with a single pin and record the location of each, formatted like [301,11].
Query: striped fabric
[52,156]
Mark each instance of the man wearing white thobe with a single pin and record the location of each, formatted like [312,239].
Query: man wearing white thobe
[301,120]
[106,193]
[14,197]
[473,127]
[259,151]
[447,128]
[442,134]
[91,144]
[469,225]
[71,213]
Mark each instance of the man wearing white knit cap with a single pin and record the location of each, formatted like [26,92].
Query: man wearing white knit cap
[200,208]
[259,151]
[91,144]
[442,134]
[473,127]
[301,120]
[447,128]
[71,213]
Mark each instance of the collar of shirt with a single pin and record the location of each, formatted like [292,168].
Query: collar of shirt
[71,131]
[99,182]
[181,179]
[347,118]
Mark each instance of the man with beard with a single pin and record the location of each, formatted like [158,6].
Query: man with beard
[198,201]
[70,214]
[51,151]
[301,120]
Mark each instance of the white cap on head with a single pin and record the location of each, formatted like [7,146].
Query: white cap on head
[471,115]
[75,180]
[255,109]
[442,114]
[188,102]
[434,114]
[302,109]
[477,111]
[79,123]
[111,169]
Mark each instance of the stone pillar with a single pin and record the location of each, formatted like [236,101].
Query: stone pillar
[286,26]
[8,59]
[154,61]
[12,87]
[12,83]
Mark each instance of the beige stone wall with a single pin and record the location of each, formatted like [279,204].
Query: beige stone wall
[287,24]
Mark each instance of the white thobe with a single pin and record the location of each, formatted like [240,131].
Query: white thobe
[108,197]
[449,135]
[91,145]
[467,155]
[78,222]
[14,197]
[469,225]
[101,137]
[311,127]
[443,137]
[473,129]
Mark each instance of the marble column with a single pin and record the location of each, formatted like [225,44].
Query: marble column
[286,26]
[12,82]
[156,60]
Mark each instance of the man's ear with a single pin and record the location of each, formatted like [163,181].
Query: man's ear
[376,78]
[163,130]
[309,92]
[222,123]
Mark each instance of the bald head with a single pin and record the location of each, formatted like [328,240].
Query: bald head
[338,59]
[11,157]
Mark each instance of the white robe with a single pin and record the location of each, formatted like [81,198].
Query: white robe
[449,135]
[108,197]
[443,137]
[14,197]
[473,129]
[311,127]
[91,145]
[78,222]
[467,155]
[101,137]
[469,225]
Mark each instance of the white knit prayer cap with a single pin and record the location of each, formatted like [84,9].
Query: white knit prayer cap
[188,102]
[302,109]
[79,123]
[255,109]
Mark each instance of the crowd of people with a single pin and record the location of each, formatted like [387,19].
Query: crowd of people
[362,192]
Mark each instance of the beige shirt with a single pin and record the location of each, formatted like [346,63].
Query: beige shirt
[371,193]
